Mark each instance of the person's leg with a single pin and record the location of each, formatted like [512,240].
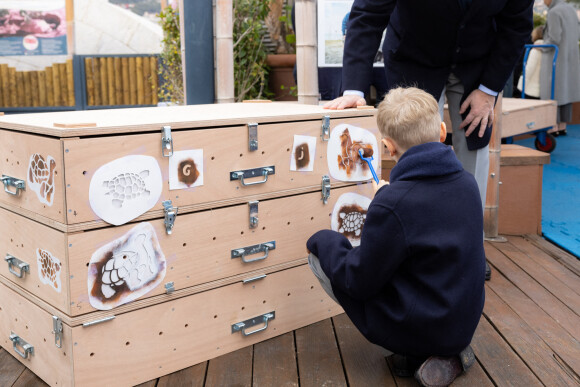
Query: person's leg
[314,264]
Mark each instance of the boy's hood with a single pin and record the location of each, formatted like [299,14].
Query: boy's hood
[426,160]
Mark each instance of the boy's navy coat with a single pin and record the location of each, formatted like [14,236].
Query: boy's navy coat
[415,285]
[426,40]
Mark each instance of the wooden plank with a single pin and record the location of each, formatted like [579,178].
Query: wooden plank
[118,80]
[555,259]
[364,363]
[89,81]
[555,335]
[233,369]
[12,84]
[524,341]
[97,81]
[56,80]
[319,361]
[111,81]
[42,100]
[147,81]
[192,377]
[4,76]
[49,86]
[103,81]
[29,379]
[10,368]
[498,360]
[140,81]
[34,88]
[566,315]
[70,81]
[126,85]
[27,88]
[154,80]
[275,362]
[132,81]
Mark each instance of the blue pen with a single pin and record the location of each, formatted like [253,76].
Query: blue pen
[368,160]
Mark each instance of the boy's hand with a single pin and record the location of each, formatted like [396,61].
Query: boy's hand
[376,186]
[345,102]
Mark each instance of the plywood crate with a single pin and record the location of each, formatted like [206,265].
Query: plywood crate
[109,242]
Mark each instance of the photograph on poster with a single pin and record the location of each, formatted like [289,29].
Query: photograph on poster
[303,153]
[332,27]
[33,27]
[186,169]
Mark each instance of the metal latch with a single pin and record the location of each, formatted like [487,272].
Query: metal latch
[166,142]
[249,250]
[13,182]
[14,262]
[325,188]
[325,128]
[57,331]
[252,136]
[253,206]
[18,342]
[170,215]
[169,288]
[243,325]
[100,321]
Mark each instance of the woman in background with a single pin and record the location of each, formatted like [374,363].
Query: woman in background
[533,66]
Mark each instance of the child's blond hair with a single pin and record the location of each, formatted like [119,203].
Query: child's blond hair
[410,117]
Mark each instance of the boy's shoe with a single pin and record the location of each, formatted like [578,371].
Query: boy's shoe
[487,271]
[405,366]
[440,371]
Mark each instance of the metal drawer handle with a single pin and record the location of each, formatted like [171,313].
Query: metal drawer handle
[250,250]
[263,319]
[13,182]
[14,262]
[248,173]
[17,341]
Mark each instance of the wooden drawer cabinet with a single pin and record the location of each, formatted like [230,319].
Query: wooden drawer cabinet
[153,239]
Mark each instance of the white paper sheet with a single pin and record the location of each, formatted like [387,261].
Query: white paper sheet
[186,169]
[349,215]
[349,168]
[303,153]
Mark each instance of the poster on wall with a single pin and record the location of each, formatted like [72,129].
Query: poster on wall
[332,27]
[33,27]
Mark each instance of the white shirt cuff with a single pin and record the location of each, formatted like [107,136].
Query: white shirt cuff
[354,92]
[488,91]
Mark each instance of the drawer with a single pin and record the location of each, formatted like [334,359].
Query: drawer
[79,273]
[161,339]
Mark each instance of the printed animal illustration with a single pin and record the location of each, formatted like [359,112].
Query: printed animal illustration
[48,269]
[127,186]
[132,266]
[41,177]
[351,220]
[349,158]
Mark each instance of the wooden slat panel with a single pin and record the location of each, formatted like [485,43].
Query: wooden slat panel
[111,81]
[232,369]
[147,81]
[5,82]
[103,81]
[49,87]
[562,257]
[97,81]
[541,322]
[118,80]
[535,353]
[140,81]
[12,83]
[154,80]
[126,83]
[56,81]
[318,357]
[364,362]
[27,89]
[133,80]
[89,81]
[34,88]
[70,81]
[42,100]
[499,360]
[191,377]
[10,368]
[280,352]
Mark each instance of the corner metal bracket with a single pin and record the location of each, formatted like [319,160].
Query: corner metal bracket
[325,188]
[57,331]
[253,207]
[166,142]
[252,136]
[170,215]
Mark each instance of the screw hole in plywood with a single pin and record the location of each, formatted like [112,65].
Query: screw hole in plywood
[184,244]
[215,316]
[241,154]
[160,333]
[186,325]
[84,172]
[288,294]
[214,238]
[212,157]
[92,354]
[127,343]
[243,307]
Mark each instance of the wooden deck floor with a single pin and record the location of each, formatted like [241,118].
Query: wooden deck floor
[528,336]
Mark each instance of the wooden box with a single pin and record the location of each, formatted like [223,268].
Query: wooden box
[113,251]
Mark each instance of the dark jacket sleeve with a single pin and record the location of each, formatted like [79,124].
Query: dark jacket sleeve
[368,19]
[514,25]
[361,272]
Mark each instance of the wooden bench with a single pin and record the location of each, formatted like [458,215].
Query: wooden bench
[520,190]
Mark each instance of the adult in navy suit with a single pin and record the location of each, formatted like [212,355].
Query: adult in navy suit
[464,50]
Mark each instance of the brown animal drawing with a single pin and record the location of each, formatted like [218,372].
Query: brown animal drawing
[349,159]
[49,269]
[41,177]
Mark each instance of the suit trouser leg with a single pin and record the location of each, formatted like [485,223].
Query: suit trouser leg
[475,162]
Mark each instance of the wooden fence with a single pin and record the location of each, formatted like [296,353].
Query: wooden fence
[54,86]
[121,80]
